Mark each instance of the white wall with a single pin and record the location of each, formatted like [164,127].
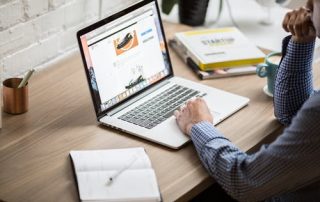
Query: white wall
[34,33]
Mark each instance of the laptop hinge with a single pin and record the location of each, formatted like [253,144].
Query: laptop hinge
[139,97]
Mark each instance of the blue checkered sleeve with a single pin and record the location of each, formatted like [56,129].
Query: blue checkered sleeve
[287,164]
[293,84]
[284,166]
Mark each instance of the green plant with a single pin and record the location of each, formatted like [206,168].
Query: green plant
[167,5]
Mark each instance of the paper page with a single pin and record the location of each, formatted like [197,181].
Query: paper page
[113,159]
[131,185]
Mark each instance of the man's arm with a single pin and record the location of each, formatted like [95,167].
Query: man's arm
[283,166]
[293,84]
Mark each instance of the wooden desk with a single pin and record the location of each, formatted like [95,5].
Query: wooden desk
[34,147]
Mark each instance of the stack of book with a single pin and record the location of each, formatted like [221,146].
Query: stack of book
[216,53]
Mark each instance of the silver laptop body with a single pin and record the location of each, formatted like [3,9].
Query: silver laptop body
[131,81]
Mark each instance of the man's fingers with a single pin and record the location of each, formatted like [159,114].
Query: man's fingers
[312,31]
[309,29]
[305,28]
[309,5]
[190,103]
[285,22]
[291,24]
[182,107]
[193,104]
[200,99]
[304,23]
[299,23]
[176,113]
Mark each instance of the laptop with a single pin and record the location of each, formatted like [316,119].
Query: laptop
[131,80]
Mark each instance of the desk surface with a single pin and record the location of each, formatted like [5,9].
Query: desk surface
[34,147]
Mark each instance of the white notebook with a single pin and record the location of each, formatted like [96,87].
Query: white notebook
[115,175]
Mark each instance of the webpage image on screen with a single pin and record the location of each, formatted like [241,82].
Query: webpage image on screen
[129,58]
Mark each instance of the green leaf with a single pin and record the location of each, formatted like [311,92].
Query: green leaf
[167,5]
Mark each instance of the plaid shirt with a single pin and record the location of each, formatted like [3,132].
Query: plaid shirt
[291,162]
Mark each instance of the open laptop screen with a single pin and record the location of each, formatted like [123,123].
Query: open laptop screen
[125,56]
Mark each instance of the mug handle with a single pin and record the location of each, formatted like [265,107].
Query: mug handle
[262,70]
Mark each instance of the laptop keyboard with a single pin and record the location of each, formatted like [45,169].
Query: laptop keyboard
[160,107]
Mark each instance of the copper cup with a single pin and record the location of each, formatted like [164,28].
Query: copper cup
[15,100]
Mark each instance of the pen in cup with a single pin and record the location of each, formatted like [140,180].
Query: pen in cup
[26,78]
[118,172]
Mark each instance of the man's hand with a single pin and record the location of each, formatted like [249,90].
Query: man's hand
[192,113]
[299,23]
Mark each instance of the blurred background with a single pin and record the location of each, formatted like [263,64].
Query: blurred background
[37,33]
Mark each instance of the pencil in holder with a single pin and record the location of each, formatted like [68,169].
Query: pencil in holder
[15,100]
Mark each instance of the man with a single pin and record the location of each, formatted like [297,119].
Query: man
[289,168]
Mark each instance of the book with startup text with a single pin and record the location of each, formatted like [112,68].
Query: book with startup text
[211,74]
[115,175]
[219,48]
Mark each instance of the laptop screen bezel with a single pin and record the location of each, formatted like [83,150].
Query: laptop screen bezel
[105,21]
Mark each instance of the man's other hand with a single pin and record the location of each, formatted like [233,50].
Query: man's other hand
[299,23]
